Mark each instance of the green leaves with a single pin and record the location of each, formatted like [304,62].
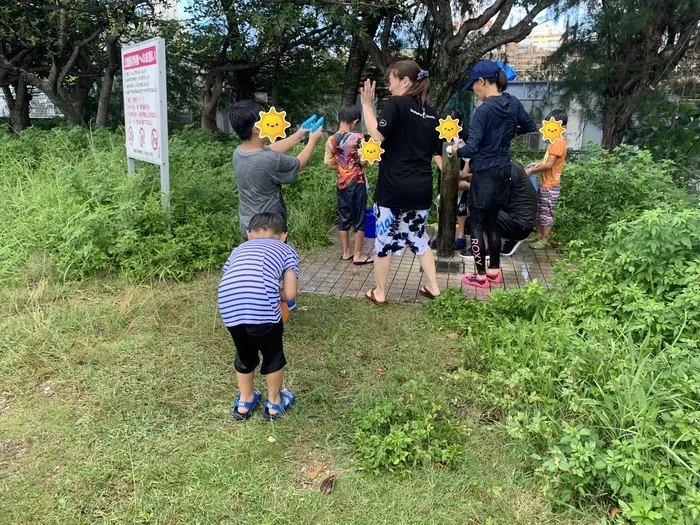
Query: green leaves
[599,377]
[407,431]
[65,197]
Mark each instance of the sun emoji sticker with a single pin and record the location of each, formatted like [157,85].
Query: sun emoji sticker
[272,124]
[371,151]
[449,128]
[552,130]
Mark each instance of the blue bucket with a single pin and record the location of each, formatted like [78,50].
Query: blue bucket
[370,224]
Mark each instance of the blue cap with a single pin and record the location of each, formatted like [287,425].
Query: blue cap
[484,69]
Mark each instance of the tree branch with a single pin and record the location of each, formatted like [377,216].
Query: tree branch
[96,8]
[74,56]
[477,22]
[441,11]
[503,15]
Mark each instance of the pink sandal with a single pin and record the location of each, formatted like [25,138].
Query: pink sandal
[471,279]
[494,278]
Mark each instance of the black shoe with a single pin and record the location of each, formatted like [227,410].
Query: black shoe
[467,254]
[510,247]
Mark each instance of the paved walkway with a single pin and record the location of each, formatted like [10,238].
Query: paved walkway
[324,272]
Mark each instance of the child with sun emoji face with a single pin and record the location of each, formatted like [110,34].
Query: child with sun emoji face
[260,169]
[549,173]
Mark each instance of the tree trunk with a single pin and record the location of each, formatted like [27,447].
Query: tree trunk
[79,95]
[213,87]
[108,80]
[617,113]
[357,60]
[58,98]
[18,105]
[613,130]
[244,83]
[448,203]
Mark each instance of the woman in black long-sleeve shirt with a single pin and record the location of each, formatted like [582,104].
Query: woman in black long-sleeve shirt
[493,126]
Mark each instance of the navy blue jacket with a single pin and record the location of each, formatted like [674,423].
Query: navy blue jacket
[493,126]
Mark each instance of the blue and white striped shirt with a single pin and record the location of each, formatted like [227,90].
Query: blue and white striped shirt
[249,291]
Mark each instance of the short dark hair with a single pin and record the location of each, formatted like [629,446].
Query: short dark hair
[558,114]
[349,113]
[268,221]
[243,115]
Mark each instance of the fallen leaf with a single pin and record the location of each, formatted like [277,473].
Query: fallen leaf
[614,512]
[327,485]
[453,336]
[343,385]
[312,475]
[271,439]
[381,371]
[360,355]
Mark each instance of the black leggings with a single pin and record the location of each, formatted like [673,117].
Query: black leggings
[480,221]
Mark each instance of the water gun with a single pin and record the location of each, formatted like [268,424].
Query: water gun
[313,122]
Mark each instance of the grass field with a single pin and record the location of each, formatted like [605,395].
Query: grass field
[114,408]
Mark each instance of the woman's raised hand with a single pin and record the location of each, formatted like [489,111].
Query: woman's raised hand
[367,92]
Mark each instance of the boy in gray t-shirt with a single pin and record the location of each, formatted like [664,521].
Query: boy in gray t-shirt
[261,170]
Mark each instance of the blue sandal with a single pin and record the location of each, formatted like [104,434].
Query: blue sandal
[250,405]
[288,400]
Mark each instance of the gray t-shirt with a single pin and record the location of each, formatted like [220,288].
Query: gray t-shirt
[259,175]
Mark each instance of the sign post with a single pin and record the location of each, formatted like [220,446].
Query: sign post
[146,109]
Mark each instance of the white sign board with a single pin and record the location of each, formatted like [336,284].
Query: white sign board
[146,107]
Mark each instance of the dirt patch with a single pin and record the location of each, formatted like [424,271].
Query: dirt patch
[12,450]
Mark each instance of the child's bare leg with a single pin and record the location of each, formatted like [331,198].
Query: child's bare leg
[359,241]
[461,220]
[274,382]
[245,387]
[345,244]
[546,230]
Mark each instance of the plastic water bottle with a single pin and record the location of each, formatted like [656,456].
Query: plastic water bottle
[525,273]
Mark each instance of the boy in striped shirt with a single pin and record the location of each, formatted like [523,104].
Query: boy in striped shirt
[249,302]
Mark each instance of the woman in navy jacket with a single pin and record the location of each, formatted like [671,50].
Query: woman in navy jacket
[493,126]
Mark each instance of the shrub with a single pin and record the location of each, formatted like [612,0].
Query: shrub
[67,200]
[602,188]
[599,377]
[401,433]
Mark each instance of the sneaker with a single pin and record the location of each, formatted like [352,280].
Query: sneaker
[467,254]
[510,247]
[460,244]
[538,245]
[292,305]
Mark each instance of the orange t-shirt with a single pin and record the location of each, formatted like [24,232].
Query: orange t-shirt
[550,178]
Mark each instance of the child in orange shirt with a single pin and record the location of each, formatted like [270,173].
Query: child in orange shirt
[549,171]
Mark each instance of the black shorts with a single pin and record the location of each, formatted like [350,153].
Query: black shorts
[489,189]
[462,205]
[250,339]
[352,202]
[510,229]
